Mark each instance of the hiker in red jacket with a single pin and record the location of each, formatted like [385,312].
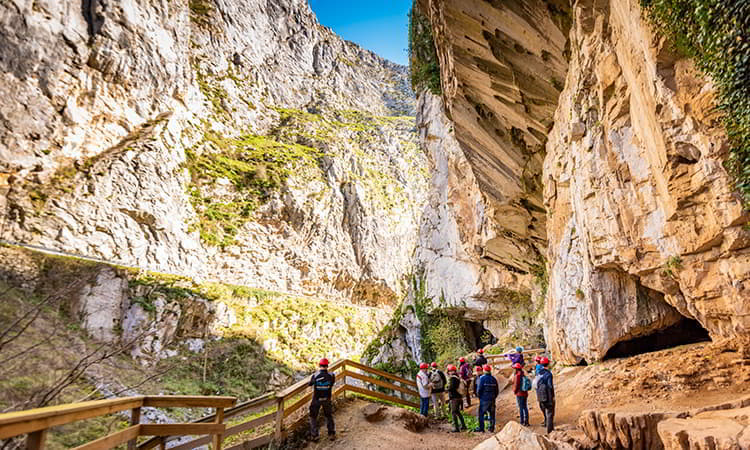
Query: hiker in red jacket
[521,394]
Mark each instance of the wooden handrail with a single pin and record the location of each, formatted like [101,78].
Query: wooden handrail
[35,422]
[288,401]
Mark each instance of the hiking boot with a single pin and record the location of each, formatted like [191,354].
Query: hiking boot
[491,430]
[477,430]
[455,431]
[314,438]
[332,437]
[463,428]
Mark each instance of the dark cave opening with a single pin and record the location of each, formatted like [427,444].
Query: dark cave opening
[476,335]
[686,331]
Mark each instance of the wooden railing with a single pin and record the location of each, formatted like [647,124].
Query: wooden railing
[35,423]
[496,361]
[270,417]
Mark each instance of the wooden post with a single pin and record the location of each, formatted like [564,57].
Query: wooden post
[135,419]
[279,419]
[217,437]
[35,440]
[162,444]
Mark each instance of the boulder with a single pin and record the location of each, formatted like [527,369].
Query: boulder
[716,430]
[374,412]
[413,422]
[515,436]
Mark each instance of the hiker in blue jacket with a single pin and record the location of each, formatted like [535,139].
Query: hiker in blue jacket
[487,391]
[545,393]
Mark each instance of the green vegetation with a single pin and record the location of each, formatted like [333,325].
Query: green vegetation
[423,61]
[716,33]
[299,331]
[201,11]
[256,166]
[672,265]
[541,277]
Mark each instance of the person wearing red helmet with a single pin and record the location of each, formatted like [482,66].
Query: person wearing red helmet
[424,386]
[465,373]
[480,360]
[454,396]
[438,380]
[487,391]
[545,394]
[322,383]
[519,385]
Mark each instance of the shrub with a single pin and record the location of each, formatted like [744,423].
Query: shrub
[423,60]
[716,33]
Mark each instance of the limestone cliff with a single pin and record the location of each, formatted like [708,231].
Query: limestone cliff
[632,209]
[644,227]
[237,141]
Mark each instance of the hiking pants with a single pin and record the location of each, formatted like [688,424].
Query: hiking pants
[438,400]
[424,406]
[523,409]
[315,406]
[467,391]
[485,407]
[456,404]
[548,409]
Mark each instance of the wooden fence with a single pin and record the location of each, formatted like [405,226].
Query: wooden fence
[268,418]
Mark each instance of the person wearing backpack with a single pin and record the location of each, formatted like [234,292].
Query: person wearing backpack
[465,372]
[487,391]
[322,383]
[438,380]
[454,396]
[424,386]
[519,383]
[545,393]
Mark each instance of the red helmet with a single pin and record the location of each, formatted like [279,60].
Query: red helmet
[480,351]
[517,366]
[544,361]
[423,366]
[323,362]
[434,364]
[451,368]
[462,360]
[537,358]
[487,368]
[479,368]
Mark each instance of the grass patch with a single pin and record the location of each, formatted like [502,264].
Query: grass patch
[716,34]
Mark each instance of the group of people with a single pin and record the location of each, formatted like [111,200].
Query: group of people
[462,382]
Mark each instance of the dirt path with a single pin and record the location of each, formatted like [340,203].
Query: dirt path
[353,432]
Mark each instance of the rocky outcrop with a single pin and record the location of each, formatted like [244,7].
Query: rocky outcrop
[502,68]
[114,101]
[456,225]
[720,430]
[515,436]
[644,227]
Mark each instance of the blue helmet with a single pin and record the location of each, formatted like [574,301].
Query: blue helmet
[519,349]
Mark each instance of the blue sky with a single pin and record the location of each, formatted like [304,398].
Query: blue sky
[377,25]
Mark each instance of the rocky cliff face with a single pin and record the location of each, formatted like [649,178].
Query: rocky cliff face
[238,141]
[643,227]
[457,222]
[632,207]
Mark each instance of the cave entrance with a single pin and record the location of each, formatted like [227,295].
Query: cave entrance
[686,331]
[477,336]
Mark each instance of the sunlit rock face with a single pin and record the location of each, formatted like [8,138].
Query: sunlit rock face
[643,224]
[111,100]
[503,64]
[601,150]
[456,224]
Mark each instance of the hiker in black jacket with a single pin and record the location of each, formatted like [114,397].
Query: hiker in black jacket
[481,360]
[322,383]
[545,393]
[454,395]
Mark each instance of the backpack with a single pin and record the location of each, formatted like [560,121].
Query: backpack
[525,383]
[544,388]
[438,380]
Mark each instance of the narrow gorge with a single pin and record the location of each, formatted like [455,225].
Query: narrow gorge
[222,192]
